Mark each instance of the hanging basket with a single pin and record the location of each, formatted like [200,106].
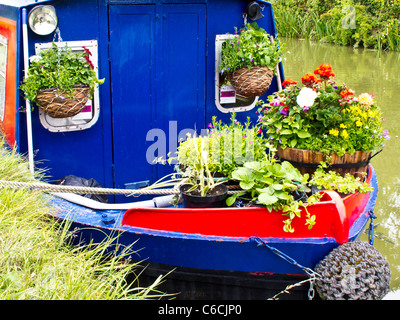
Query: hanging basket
[57,104]
[251,83]
[308,161]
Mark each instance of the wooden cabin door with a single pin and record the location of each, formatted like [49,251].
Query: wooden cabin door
[157,68]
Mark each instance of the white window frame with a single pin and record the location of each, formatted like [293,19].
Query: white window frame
[81,121]
[219,40]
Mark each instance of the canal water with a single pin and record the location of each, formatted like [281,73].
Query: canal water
[369,71]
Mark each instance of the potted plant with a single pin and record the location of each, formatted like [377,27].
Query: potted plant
[60,81]
[322,119]
[248,60]
[197,185]
[229,146]
[205,163]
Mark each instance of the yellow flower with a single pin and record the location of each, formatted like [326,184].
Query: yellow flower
[334,132]
[343,126]
[345,134]
[372,114]
[359,123]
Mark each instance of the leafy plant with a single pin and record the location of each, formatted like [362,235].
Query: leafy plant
[197,173]
[322,116]
[274,185]
[251,46]
[59,68]
[333,181]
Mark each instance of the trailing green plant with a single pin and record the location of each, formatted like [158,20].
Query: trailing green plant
[250,46]
[274,185]
[331,180]
[60,68]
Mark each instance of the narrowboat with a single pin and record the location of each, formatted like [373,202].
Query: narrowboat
[158,60]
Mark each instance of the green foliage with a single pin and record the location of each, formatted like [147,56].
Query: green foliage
[228,146]
[196,167]
[376,21]
[331,180]
[274,185]
[59,68]
[37,259]
[251,46]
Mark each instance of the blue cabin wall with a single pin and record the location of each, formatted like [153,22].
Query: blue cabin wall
[82,153]
[157,58]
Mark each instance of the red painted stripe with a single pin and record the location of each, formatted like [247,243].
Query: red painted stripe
[331,221]
[7,126]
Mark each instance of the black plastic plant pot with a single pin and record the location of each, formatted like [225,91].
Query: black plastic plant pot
[193,199]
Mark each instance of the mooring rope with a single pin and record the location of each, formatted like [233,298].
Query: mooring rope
[46,187]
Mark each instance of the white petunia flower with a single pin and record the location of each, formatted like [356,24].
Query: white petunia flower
[306,97]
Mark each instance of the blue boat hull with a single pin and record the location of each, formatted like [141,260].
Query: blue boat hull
[205,251]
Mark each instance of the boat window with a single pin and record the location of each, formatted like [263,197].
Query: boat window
[3,68]
[226,99]
[89,115]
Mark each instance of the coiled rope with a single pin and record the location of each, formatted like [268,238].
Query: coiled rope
[46,187]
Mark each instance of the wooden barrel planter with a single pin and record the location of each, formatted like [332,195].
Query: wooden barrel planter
[307,161]
[251,83]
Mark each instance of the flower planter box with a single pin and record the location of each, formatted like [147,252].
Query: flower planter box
[307,161]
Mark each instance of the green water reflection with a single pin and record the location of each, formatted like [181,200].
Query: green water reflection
[377,73]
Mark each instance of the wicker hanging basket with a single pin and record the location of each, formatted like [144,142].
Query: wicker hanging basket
[251,83]
[307,161]
[56,104]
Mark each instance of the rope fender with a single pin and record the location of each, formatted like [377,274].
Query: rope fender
[353,271]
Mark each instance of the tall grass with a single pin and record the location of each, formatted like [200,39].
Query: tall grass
[292,24]
[303,25]
[36,258]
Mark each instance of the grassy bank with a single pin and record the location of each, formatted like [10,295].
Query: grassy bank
[36,260]
[359,23]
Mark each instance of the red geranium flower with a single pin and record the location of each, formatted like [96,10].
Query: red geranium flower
[288,82]
[309,79]
[325,71]
[346,93]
